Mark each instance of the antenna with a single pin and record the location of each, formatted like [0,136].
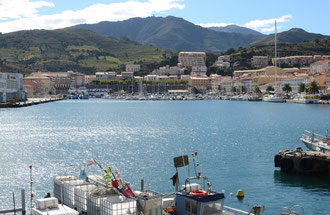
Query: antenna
[275,57]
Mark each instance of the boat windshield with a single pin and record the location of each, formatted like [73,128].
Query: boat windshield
[212,208]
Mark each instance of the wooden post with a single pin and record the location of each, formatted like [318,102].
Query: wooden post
[142,185]
[23,201]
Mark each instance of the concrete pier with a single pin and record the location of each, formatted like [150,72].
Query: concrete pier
[299,161]
[29,102]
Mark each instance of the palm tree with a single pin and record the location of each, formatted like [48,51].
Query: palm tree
[257,90]
[270,88]
[287,88]
[302,87]
[313,88]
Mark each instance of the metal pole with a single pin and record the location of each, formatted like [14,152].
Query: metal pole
[31,182]
[23,201]
[14,203]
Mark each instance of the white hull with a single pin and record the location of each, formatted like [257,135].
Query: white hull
[273,99]
[304,101]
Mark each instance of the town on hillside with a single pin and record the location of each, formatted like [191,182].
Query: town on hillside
[311,76]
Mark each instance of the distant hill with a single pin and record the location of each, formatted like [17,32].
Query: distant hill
[294,35]
[72,49]
[236,29]
[242,57]
[172,33]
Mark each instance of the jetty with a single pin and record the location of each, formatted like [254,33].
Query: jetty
[29,102]
[299,161]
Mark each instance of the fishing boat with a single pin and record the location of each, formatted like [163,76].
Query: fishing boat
[274,97]
[316,142]
[109,194]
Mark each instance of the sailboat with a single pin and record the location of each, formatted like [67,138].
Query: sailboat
[274,97]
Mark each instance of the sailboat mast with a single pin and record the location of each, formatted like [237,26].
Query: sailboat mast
[275,57]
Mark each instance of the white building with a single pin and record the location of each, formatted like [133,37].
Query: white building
[224,58]
[295,82]
[320,67]
[106,75]
[133,68]
[127,75]
[190,59]
[11,86]
[259,61]
[198,70]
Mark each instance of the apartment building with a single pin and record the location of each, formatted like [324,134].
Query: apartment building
[198,70]
[259,61]
[190,59]
[105,75]
[11,87]
[200,83]
[320,67]
[295,60]
[295,82]
[38,86]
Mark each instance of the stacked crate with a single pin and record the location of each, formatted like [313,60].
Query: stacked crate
[80,197]
[58,185]
[68,191]
[118,206]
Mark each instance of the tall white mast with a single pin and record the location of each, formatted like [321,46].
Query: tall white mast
[275,57]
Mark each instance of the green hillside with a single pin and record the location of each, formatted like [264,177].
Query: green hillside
[71,49]
[236,29]
[294,35]
[242,57]
[172,33]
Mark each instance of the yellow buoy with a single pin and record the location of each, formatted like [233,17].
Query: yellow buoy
[240,194]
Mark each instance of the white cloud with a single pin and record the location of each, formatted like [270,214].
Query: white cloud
[267,25]
[15,9]
[91,14]
[207,25]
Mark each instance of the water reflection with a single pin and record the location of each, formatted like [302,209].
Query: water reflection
[313,183]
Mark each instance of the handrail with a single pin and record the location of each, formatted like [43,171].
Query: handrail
[238,210]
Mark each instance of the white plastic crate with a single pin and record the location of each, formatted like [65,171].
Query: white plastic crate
[58,185]
[80,197]
[118,205]
[68,191]
[46,203]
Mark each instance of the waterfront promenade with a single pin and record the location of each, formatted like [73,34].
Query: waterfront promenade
[29,102]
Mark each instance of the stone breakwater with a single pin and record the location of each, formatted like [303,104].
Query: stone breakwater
[29,102]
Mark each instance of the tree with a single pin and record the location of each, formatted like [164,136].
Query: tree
[257,90]
[270,88]
[287,88]
[313,88]
[302,87]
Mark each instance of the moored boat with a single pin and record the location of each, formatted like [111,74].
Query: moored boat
[316,142]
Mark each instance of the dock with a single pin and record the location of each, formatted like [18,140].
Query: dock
[299,161]
[29,102]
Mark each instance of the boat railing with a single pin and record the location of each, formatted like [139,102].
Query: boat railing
[310,134]
[236,211]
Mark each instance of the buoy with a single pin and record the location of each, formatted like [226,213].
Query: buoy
[231,194]
[240,194]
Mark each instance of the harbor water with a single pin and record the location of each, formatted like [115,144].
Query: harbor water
[236,143]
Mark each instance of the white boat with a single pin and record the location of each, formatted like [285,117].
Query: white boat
[274,98]
[316,142]
[304,100]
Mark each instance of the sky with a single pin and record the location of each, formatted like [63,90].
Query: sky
[312,16]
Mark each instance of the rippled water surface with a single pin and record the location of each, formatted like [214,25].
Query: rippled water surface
[235,141]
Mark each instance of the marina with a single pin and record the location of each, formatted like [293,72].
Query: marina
[140,138]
